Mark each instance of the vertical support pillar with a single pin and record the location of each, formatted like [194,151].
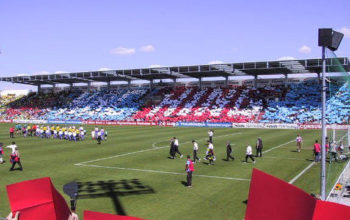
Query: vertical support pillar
[108,85]
[255,81]
[200,82]
[89,86]
[70,86]
[151,84]
[39,88]
[129,82]
[285,80]
[174,84]
[226,81]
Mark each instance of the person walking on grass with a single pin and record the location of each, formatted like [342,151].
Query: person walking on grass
[12,131]
[176,146]
[249,154]
[13,146]
[1,154]
[172,149]
[15,159]
[189,169]
[259,147]
[211,157]
[210,135]
[299,141]
[99,137]
[317,151]
[229,151]
[333,152]
[210,147]
[195,151]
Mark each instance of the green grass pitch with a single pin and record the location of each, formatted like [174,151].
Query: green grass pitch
[131,173]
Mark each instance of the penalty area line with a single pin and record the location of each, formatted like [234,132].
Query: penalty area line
[163,172]
[301,173]
[145,150]
[281,145]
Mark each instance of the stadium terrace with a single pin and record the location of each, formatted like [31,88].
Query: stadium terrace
[286,100]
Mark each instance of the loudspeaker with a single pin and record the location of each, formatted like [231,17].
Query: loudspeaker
[325,37]
[336,39]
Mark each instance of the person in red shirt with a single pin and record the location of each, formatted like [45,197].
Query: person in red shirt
[189,169]
[12,131]
[317,151]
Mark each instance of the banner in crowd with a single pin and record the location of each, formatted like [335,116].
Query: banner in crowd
[64,122]
[23,121]
[133,123]
[265,125]
[5,121]
[319,126]
[204,124]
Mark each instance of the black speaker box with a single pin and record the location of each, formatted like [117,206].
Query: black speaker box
[325,37]
[336,39]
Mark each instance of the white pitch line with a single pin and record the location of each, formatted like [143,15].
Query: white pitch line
[301,173]
[164,172]
[268,150]
[150,149]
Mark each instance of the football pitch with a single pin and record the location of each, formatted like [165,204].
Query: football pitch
[131,173]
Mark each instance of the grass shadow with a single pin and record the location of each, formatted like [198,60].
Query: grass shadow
[112,189]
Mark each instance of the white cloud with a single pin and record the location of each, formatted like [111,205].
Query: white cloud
[304,49]
[345,31]
[287,58]
[216,62]
[123,51]
[104,69]
[147,48]
[155,66]
[60,71]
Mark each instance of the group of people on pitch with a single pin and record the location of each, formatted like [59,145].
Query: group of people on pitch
[99,135]
[70,133]
[334,149]
[210,156]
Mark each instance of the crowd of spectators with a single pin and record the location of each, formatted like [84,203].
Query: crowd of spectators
[295,103]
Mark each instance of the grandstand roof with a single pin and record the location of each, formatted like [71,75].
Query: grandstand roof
[195,71]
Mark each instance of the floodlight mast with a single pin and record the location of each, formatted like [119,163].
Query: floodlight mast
[324,129]
[327,38]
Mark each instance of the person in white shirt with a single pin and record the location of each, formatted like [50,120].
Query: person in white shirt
[249,153]
[195,151]
[210,134]
[210,148]
[70,135]
[13,147]
[75,136]
[299,141]
[333,151]
[60,134]
[93,135]
[176,146]
[341,147]
[99,137]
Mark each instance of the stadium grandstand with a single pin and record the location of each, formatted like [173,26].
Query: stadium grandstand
[285,91]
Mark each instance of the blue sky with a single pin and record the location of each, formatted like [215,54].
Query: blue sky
[40,36]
